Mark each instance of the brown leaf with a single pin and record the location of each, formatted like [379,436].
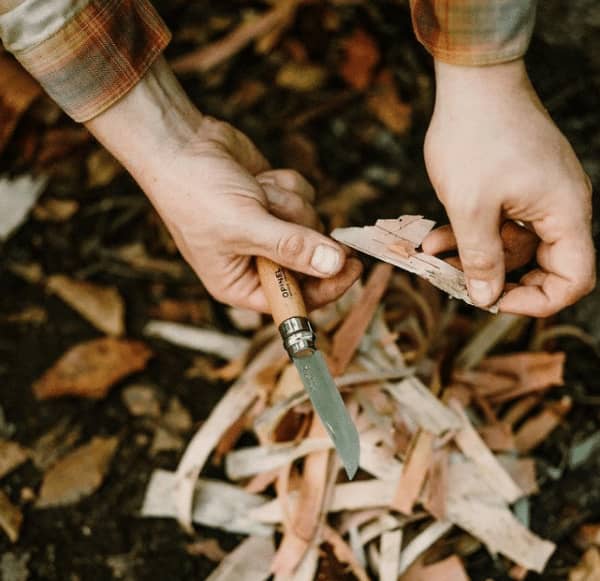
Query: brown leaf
[10,517]
[588,568]
[12,455]
[101,306]
[55,210]
[301,76]
[361,57]
[208,548]
[79,474]
[102,168]
[90,369]
[386,105]
[18,90]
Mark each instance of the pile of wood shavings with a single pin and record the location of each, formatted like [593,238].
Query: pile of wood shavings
[444,445]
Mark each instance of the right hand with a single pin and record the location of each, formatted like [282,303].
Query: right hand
[223,206]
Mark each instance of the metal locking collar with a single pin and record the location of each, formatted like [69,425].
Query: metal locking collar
[298,336]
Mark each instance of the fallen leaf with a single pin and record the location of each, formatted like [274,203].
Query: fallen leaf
[55,210]
[30,272]
[17,197]
[102,306]
[12,455]
[301,76]
[77,475]
[141,400]
[18,90]
[91,368]
[360,59]
[588,568]
[208,548]
[11,518]
[102,168]
[387,106]
[136,256]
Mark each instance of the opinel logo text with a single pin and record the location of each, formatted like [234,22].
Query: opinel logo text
[282,282]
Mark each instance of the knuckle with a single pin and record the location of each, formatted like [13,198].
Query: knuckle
[290,245]
[476,259]
[289,179]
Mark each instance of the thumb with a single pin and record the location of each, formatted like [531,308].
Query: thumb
[295,247]
[481,252]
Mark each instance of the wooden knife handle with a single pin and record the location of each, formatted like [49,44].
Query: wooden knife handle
[282,290]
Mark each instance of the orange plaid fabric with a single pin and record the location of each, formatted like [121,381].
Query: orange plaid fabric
[85,53]
[474,32]
[89,53]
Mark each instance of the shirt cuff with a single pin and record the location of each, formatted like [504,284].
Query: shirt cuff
[98,52]
[474,32]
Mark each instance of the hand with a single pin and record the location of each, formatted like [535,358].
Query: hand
[218,197]
[493,154]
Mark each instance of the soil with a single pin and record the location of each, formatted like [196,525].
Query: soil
[102,537]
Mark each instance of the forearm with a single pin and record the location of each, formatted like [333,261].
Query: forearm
[156,115]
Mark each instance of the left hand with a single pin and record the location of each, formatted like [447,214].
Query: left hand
[493,154]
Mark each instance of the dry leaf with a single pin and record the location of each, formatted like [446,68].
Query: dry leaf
[387,106]
[360,59]
[588,568]
[90,369]
[18,90]
[301,76]
[102,168]
[141,400]
[79,474]
[12,455]
[10,518]
[208,548]
[55,210]
[102,306]
[136,256]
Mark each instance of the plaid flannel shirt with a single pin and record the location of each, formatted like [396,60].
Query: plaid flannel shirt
[87,54]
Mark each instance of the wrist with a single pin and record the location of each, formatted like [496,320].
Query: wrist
[156,116]
[468,83]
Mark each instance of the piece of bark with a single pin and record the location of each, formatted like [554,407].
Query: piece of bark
[473,447]
[522,471]
[11,518]
[91,368]
[376,241]
[416,467]
[421,543]
[518,410]
[449,569]
[378,459]
[434,494]
[498,437]
[389,560]
[349,335]
[423,407]
[12,455]
[18,90]
[102,306]
[78,474]
[256,459]
[228,347]
[216,504]
[344,553]
[240,396]
[535,430]
[17,198]
[208,57]
[479,510]
[249,561]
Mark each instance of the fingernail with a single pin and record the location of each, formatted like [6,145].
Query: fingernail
[325,259]
[480,291]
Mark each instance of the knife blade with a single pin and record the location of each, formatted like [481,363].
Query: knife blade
[289,313]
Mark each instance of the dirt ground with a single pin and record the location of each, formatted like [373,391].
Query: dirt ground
[102,537]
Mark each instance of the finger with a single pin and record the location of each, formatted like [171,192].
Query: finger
[567,273]
[290,180]
[293,246]
[477,232]
[520,245]
[291,207]
[440,240]
[319,292]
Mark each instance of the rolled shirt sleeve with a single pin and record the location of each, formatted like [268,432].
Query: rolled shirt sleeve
[86,54]
[474,32]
